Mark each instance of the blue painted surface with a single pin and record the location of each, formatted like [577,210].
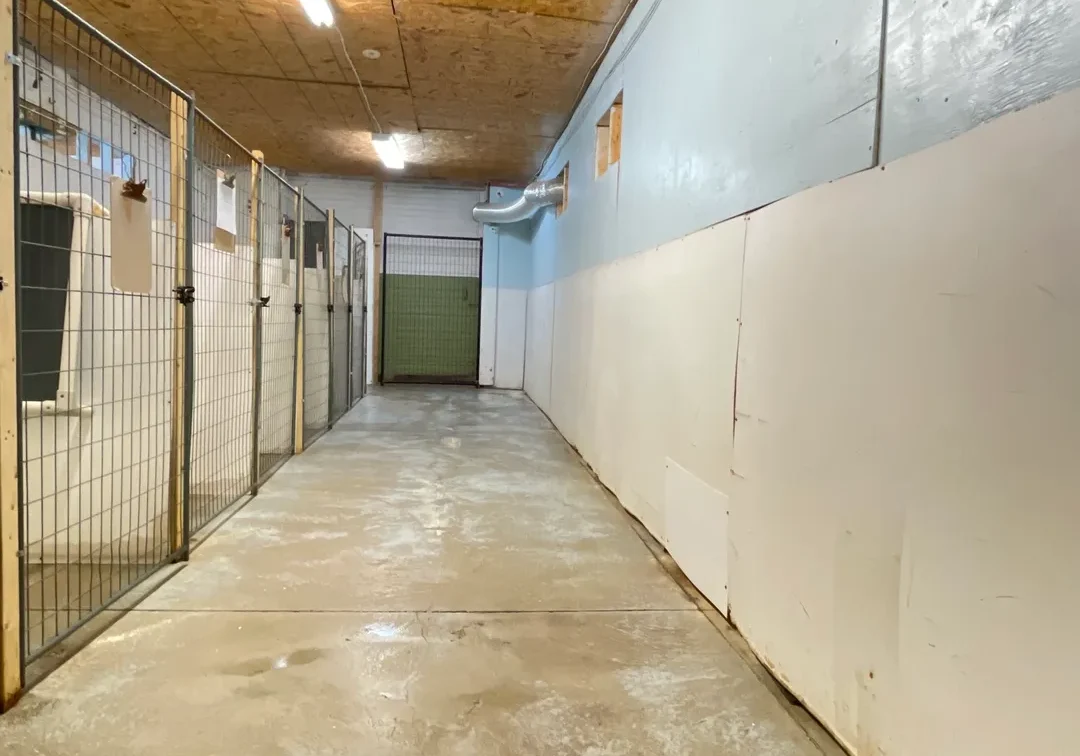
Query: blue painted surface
[507,249]
[954,65]
[730,105]
[727,106]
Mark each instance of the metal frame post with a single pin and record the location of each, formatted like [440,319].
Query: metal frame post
[382,312]
[11,601]
[258,305]
[298,373]
[189,327]
[331,263]
[350,273]
[364,315]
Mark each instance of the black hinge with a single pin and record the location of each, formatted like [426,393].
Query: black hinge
[264,301]
[2,284]
[330,308]
[298,308]
[350,309]
[185,295]
[365,309]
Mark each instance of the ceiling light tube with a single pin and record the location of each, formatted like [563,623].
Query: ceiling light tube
[319,12]
[389,151]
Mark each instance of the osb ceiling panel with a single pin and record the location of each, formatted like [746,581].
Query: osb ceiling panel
[476,89]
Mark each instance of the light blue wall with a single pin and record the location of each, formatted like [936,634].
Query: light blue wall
[953,65]
[507,249]
[730,105]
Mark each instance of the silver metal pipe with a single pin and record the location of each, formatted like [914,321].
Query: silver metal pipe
[536,195]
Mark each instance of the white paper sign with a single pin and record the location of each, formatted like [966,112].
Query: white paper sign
[130,240]
[226,204]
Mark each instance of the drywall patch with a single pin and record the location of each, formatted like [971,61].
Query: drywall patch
[696,531]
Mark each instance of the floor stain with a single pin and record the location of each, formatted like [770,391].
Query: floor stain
[261,666]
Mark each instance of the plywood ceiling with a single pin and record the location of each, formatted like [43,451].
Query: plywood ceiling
[477,89]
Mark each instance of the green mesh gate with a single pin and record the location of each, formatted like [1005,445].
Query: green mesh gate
[431,309]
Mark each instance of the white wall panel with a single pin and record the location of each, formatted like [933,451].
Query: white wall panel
[353,199]
[906,519]
[408,208]
[509,370]
[538,331]
[431,210]
[489,301]
[902,484]
[643,366]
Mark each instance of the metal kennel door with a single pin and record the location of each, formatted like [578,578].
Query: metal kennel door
[430,309]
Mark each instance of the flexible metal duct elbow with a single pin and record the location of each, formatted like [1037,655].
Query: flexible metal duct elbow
[536,195]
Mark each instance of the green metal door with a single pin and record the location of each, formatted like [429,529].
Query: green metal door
[430,309]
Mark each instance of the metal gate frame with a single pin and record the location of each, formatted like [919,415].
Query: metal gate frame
[124,80]
[212,152]
[382,301]
[357,263]
[139,87]
[278,203]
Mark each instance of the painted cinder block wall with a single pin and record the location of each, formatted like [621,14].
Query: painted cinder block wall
[844,398]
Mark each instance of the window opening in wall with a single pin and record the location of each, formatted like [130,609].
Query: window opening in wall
[609,137]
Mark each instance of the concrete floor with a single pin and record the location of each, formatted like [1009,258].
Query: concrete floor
[438,575]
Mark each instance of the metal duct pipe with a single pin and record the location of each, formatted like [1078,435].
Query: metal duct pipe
[536,195]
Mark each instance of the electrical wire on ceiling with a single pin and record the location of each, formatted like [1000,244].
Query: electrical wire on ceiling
[359,84]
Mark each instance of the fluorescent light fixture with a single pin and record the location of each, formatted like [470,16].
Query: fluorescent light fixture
[389,151]
[319,11]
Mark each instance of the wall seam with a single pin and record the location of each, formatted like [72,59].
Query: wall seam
[879,112]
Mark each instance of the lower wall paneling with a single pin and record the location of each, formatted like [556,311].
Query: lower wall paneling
[909,373]
[902,476]
[642,373]
[538,325]
[510,338]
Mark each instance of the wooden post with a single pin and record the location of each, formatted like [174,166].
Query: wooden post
[376,305]
[257,315]
[10,613]
[615,134]
[298,419]
[178,146]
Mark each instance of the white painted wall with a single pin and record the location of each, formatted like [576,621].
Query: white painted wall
[316,324]
[892,521]
[279,354]
[431,209]
[506,277]
[408,208]
[930,310]
[539,349]
[352,198]
[96,459]
[102,447]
